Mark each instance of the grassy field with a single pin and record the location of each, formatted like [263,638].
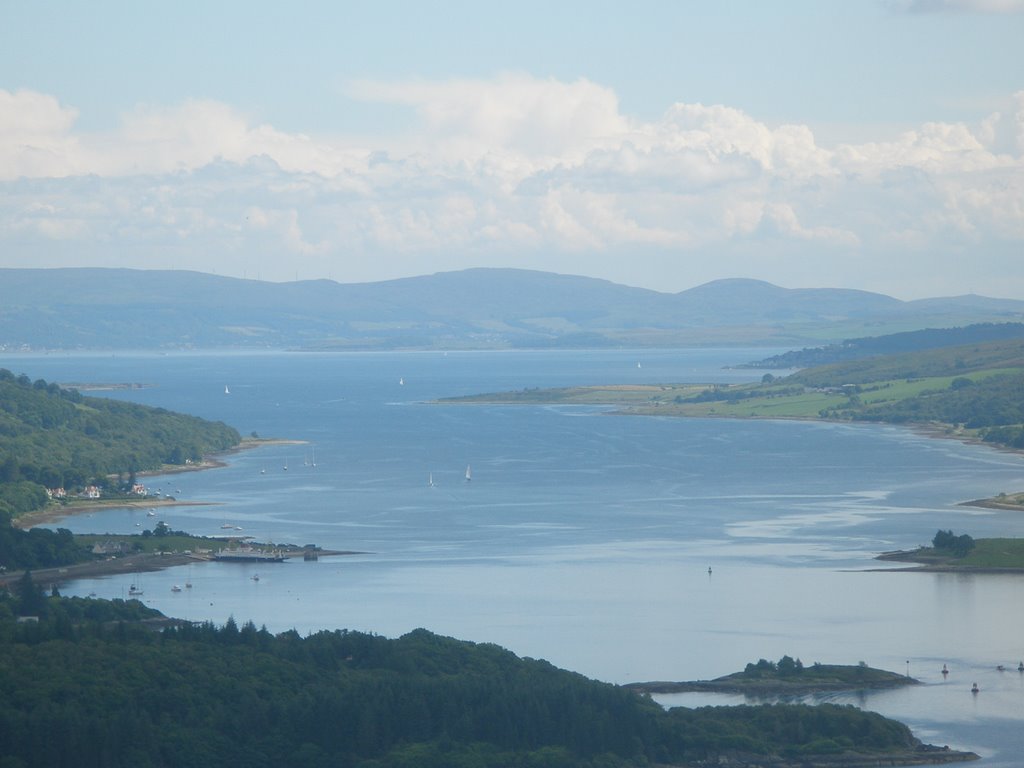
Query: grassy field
[995,553]
[986,553]
[151,544]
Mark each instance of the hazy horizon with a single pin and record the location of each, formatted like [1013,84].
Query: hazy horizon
[875,146]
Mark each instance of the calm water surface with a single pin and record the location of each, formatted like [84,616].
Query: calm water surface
[585,538]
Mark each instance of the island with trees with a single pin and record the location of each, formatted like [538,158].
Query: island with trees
[787,677]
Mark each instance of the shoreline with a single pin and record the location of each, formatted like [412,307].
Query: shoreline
[145,562]
[53,514]
[58,511]
[925,562]
[142,562]
[765,689]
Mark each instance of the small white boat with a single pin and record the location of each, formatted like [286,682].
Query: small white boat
[469,473]
[175,588]
[430,480]
[401,382]
[255,577]
[226,390]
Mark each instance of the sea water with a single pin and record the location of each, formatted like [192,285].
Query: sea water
[624,548]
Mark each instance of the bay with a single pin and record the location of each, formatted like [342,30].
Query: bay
[584,538]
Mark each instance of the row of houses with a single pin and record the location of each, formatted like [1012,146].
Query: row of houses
[93,492]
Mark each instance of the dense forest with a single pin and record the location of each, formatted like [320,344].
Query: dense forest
[37,547]
[892,344]
[84,686]
[51,437]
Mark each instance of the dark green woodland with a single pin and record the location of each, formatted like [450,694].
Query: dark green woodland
[90,685]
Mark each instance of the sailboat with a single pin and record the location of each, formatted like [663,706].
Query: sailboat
[469,473]
[430,480]
[226,390]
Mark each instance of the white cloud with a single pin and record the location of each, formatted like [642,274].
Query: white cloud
[492,170]
[517,114]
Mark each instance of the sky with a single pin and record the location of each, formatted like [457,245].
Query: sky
[868,144]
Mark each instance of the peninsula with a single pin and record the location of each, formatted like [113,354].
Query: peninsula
[963,553]
[111,554]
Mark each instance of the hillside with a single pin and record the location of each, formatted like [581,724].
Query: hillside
[89,687]
[56,438]
[475,308]
[891,344]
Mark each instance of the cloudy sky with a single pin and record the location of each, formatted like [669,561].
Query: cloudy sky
[874,144]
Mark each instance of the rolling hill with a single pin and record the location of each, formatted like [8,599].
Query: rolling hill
[475,308]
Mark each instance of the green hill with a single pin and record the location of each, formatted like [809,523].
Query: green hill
[56,438]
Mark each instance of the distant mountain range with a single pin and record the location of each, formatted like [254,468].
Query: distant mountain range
[474,308]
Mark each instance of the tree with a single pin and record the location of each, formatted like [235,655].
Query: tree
[31,601]
[947,541]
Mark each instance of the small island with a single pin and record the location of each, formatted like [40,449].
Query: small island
[786,677]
